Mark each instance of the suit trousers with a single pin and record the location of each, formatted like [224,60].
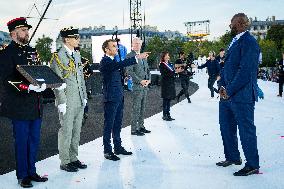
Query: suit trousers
[69,133]
[138,109]
[211,81]
[184,89]
[166,106]
[281,81]
[113,114]
[27,138]
[241,115]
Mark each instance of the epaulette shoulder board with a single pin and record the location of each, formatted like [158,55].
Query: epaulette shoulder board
[3,47]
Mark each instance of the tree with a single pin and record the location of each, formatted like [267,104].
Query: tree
[226,39]
[155,45]
[43,46]
[86,53]
[269,52]
[276,34]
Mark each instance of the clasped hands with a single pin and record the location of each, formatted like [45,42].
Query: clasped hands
[223,93]
[145,83]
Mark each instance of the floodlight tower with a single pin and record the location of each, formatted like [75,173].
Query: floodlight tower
[135,18]
[197,30]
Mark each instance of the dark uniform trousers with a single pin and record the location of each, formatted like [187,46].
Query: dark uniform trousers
[27,138]
[232,115]
[113,113]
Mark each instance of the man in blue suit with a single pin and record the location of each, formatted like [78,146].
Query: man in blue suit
[238,94]
[113,97]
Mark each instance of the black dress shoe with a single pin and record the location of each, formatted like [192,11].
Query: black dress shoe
[122,151]
[228,163]
[35,177]
[171,118]
[25,182]
[68,167]
[111,156]
[78,164]
[166,118]
[137,132]
[178,98]
[143,130]
[188,100]
[246,171]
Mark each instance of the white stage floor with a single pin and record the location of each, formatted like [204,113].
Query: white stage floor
[180,154]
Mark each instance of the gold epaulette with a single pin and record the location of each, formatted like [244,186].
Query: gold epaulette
[70,68]
[3,48]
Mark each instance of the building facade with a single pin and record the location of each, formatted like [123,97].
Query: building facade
[259,28]
[149,32]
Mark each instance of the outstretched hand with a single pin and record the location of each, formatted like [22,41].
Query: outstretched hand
[143,55]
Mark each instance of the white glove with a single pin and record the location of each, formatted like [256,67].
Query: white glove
[37,88]
[85,102]
[62,108]
[63,86]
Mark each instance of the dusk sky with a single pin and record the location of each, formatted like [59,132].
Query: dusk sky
[165,14]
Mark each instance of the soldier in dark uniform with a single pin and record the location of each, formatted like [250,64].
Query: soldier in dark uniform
[281,75]
[87,71]
[22,101]
[183,76]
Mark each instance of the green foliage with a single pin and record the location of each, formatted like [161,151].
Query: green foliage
[155,45]
[269,52]
[86,53]
[276,34]
[43,47]
[226,39]
[270,48]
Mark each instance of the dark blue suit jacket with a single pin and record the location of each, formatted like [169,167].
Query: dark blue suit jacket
[212,66]
[239,76]
[113,78]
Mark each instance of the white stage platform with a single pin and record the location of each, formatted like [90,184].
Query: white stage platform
[177,155]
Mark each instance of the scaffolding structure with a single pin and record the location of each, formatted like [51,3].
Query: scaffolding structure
[197,30]
[136,18]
